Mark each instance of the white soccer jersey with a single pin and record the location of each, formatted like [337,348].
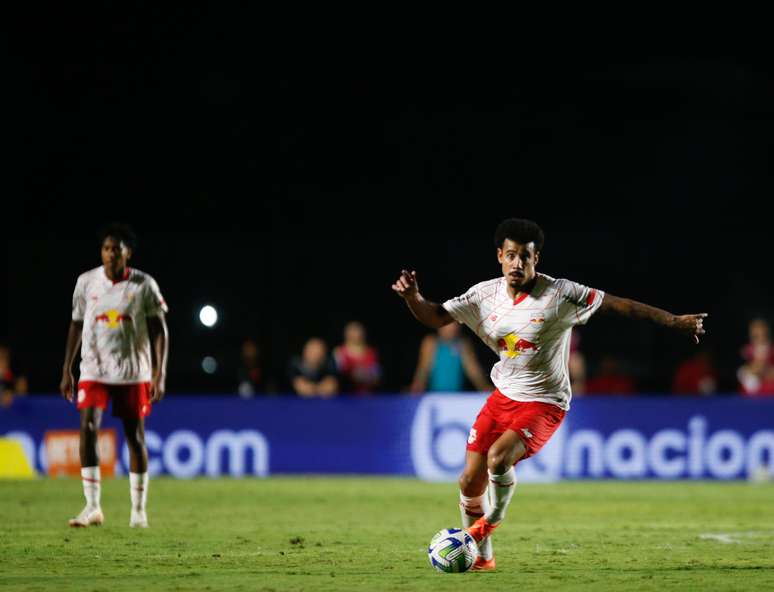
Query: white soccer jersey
[530,334]
[116,348]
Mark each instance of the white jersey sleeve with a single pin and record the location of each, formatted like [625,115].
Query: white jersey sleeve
[153,301]
[465,308]
[578,302]
[79,299]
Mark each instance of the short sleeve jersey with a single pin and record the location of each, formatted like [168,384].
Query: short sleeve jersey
[115,345]
[531,334]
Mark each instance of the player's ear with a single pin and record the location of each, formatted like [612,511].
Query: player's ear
[537,258]
[499,255]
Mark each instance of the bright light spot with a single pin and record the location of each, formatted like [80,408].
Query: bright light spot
[208,316]
[209,365]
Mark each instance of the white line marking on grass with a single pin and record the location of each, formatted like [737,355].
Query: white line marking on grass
[727,539]
[734,537]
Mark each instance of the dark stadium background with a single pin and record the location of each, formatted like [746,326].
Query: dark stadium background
[290,193]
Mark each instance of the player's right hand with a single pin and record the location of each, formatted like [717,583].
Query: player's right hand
[66,387]
[692,324]
[406,285]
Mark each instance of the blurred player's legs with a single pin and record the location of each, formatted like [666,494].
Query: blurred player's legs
[474,502]
[91,418]
[134,431]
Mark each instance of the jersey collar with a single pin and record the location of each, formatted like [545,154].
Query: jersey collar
[127,273]
[523,295]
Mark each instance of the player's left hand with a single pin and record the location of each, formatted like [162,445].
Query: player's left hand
[157,389]
[691,324]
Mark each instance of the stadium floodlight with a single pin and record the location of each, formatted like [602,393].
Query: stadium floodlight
[208,315]
[209,364]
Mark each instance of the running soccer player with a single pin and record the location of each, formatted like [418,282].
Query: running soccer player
[118,313]
[526,318]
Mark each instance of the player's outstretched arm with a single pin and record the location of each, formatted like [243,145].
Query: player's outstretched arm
[67,385]
[159,336]
[430,314]
[692,324]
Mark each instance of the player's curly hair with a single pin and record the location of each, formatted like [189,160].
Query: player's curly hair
[120,232]
[521,231]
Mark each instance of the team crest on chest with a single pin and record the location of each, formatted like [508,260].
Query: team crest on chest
[112,318]
[514,346]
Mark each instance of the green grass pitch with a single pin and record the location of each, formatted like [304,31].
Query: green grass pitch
[317,534]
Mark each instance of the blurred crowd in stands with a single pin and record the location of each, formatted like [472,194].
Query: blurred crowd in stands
[447,363]
[11,385]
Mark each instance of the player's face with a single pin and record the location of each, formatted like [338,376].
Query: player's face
[115,256]
[518,262]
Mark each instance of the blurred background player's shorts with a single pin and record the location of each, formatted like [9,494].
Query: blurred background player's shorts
[129,400]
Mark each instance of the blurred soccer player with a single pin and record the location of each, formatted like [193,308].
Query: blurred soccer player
[526,318]
[118,313]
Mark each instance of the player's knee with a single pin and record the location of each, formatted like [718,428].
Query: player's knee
[89,428]
[136,443]
[498,459]
[135,439]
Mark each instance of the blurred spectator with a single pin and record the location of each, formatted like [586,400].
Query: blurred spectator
[251,374]
[756,376]
[610,379]
[696,375]
[444,361]
[577,365]
[314,374]
[356,361]
[11,385]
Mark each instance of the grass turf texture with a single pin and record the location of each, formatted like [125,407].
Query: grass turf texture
[288,534]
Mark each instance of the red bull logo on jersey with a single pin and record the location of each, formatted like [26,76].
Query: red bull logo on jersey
[112,318]
[537,320]
[514,346]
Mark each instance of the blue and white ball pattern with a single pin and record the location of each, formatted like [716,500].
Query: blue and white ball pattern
[452,550]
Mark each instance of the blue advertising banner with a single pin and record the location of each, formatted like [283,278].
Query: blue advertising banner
[610,437]
[616,437]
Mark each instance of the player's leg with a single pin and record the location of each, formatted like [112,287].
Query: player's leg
[531,425]
[507,450]
[474,503]
[91,419]
[504,453]
[132,404]
[134,433]
[474,496]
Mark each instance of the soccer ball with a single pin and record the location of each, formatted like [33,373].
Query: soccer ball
[452,550]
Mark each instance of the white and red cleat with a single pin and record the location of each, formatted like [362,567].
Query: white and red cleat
[87,517]
[138,520]
[482,564]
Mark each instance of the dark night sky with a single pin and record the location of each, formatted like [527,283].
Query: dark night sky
[291,196]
